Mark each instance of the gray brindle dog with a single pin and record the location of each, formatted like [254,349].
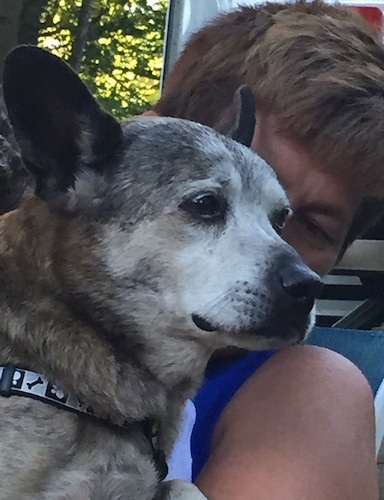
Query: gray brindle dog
[146,246]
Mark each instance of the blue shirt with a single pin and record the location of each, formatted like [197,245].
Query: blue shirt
[221,382]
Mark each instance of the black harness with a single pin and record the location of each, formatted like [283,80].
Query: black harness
[19,382]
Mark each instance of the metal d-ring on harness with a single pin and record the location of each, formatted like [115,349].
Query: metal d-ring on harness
[16,381]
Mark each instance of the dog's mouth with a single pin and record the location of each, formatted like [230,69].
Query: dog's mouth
[203,324]
[295,330]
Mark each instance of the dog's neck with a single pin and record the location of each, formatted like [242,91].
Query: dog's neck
[19,382]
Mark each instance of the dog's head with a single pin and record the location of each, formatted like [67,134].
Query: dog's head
[168,227]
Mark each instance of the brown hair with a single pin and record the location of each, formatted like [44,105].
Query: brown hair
[319,67]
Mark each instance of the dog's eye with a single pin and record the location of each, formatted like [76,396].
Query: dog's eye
[205,206]
[279,218]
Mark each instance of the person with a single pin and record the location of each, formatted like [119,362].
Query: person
[297,424]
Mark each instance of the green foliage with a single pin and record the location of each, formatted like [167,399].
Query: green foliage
[123,54]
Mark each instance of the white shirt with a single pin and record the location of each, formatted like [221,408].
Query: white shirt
[180,461]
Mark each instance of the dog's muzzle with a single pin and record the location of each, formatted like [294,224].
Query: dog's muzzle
[293,288]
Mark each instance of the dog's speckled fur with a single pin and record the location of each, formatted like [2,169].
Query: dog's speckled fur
[103,271]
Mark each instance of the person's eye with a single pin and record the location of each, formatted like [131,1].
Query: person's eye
[316,231]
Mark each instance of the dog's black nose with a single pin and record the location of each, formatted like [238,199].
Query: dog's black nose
[300,282]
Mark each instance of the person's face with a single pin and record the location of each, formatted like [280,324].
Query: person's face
[323,204]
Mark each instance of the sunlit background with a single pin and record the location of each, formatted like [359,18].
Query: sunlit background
[116,46]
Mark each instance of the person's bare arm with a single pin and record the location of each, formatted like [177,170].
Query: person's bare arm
[301,428]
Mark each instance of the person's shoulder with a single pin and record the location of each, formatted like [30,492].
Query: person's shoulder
[238,414]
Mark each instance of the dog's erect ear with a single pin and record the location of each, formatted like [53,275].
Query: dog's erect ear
[60,128]
[239,119]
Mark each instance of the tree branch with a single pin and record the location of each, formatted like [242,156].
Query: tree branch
[80,36]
